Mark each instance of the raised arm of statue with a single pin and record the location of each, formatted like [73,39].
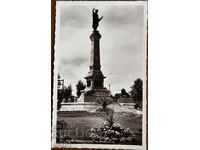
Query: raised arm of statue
[101,18]
[96,19]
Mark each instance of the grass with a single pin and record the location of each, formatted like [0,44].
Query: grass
[80,123]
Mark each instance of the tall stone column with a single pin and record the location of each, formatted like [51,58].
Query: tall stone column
[95,51]
[95,78]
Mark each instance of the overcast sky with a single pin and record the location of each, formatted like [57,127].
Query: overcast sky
[121,45]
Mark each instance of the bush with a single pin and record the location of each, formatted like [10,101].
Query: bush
[114,134]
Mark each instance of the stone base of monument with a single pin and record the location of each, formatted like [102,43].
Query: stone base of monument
[91,107]
[74,107]
[125,100]
[87,102]
[93,95]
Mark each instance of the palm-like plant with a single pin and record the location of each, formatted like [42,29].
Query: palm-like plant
[110,131]
[102,104]
[108,113]
[110,110]
[111,117]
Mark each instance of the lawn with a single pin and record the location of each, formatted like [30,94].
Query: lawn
[79,124]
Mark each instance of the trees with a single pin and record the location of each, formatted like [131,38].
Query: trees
[60,94]
[68,97]
[64,94]
[68,91]
[60,97]
[79,87]
[136,92]
[124,93]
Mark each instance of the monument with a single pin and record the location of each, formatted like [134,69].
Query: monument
[95,89]
[95,78]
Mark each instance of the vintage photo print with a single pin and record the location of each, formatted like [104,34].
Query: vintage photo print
[100,75]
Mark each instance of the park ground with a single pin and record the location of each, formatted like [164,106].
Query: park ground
[80,123]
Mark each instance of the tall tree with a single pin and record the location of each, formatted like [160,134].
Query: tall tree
[60,93]
[68,91]
[136,92]
[79,86]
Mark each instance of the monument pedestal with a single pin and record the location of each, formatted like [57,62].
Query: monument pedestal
[93,95]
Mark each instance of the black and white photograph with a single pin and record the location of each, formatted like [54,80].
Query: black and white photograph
[100,75]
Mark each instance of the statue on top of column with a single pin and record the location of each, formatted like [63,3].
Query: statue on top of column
[96,19]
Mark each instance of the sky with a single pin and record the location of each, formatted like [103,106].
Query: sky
[121,44]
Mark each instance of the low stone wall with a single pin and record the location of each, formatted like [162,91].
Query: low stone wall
[125,100]
[85,106]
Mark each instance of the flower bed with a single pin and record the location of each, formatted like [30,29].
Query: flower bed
[114,134]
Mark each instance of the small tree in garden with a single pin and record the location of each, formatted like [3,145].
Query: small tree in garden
[111,117]
[102,104]
[107,114]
